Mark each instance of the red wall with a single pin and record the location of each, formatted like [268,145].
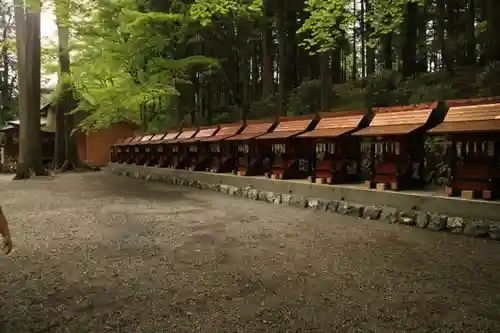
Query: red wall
[94,147]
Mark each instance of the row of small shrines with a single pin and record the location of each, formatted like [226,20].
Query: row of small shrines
[326,148]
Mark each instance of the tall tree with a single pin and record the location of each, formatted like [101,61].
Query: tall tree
[410,39]
[493,26]
[8,74]
[267,49]
[27,19]
[66,103]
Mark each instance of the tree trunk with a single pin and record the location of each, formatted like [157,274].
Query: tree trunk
[387,51]
[336,67]
[493,30]
[267,52]
[208,103]
[5,86]
[482,7]
[363,39]
[410,41]
[291,47]
[282,84]
[370,51]
[451,33]
[314,69]
[422,57]
[4,82]
[28,49]
[67,102]
[326,82]
[441,33]
[471,33]
[244,79]
[354,47]
[255,75]
[60,137]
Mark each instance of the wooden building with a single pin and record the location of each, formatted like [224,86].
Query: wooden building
[253,157]
[93,147]
[151,151]
[397,143]
[289,156]
[222,151]
[473,127]
[9,145]
[164,150]
[120,150]
[198,151]
[141,151]
[336,153]
[179,153]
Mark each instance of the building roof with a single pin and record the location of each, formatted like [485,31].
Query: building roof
[225,131]
[399,120]
[478,116]
[184,135]
[253,129]
[203,133]
[290,127]
[336,124]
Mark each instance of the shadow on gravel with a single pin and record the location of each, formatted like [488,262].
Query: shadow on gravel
[142,189]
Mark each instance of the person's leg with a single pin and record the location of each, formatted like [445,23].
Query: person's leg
[4,231]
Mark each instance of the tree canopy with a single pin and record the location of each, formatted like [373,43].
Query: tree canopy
[160,63]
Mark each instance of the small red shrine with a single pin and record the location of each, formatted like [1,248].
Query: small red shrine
[198,151]
[152,156]
[179,151]
[222,152]
[336,153]
[140,153]
[289,156]
[396,139]
[129,151]
[473,127]
[253,157]
[118,150]
[163,150]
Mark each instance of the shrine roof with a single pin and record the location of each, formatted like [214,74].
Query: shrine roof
[399,120]
[226,131]
[336,124]
[475,115]
[253,129]
[156,138]
[290,126]
[129,141]
[203,133]
[141,140]
[184,135]
[170,136]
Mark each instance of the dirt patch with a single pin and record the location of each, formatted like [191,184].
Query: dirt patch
[100,253]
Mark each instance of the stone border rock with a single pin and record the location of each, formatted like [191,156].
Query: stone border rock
[425,220]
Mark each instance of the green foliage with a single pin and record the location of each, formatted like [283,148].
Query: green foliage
[124,65]
[264,108]
[327,21]
[206,11]
[488,79]
[231,113]
[153,61]
[304,99]
[386,16]
[330,19]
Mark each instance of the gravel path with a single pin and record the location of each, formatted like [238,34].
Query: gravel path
[102,253]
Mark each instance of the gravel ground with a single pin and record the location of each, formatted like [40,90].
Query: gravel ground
[102,253]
